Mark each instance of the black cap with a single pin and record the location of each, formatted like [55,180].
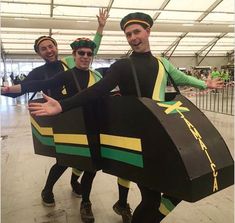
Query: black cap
[41,39]
[136,17]
[83,42]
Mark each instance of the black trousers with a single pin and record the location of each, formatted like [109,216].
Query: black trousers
[147,210]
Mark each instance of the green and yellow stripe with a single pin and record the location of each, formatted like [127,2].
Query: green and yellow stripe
[43,134]
[166,206]
[72,144]
[129,146]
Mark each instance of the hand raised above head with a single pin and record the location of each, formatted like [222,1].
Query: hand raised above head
[102,17]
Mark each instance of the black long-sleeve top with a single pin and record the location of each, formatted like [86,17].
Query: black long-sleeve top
[120,73]
[46,71]
[65,79]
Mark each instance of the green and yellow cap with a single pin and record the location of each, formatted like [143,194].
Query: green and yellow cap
[83,42]
[136,17]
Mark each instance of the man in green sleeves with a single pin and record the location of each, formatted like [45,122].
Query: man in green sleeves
[151,73]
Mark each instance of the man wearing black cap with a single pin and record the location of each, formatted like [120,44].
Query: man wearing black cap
[151,74]
[46,48]
[75,80]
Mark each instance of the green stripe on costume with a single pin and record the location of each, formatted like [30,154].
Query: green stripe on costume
[42,130]
[96,75]
[73,150]
[45,140]
[166,206]
[122,156]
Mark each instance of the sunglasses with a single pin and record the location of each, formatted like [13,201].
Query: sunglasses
[82,53]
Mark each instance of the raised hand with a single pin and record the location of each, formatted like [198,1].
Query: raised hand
[49,108]
[102,17]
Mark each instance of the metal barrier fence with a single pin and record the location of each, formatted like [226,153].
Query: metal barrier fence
[218,100]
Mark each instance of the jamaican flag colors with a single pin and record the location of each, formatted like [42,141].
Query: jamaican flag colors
[170,146]
[42,133]
[77,139]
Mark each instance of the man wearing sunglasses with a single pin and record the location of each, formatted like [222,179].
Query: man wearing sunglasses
[149,71]
[46,48]
[74,80]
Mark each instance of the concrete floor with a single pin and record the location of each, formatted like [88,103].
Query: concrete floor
[24,174]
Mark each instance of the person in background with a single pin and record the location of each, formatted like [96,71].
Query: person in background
[19,78]
[215,73]
[149,71]
[224,75]
[12,76]
[46,47]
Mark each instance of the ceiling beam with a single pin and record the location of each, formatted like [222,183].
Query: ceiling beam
[213,42]
[209,10]
[51,23]
[162,7]
[158,10]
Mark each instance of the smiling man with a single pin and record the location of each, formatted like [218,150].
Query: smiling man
[149,80]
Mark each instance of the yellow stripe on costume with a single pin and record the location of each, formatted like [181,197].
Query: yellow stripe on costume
[163,209]
[124,183]
[77,172]
[71,138]
[91,79]
[157,87]
[63,60]
[121,141]
[42,130]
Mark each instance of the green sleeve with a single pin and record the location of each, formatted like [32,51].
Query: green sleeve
[97,40]
[69,61]
[181,78]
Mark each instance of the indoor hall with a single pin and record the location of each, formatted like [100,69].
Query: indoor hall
[197,37]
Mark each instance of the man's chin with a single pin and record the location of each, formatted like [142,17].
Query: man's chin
[137,50]
[51,60]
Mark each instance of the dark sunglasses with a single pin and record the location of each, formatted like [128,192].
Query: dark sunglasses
[82,53]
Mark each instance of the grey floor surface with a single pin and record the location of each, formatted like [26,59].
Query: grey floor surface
[23,175]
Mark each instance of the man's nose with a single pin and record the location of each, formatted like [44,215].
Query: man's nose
[132,37]
[49,49]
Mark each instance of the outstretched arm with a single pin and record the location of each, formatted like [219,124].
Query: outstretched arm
[49,108]
[214,83]
[11,89]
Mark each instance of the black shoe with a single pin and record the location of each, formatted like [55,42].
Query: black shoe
[48,198]
[86,212]
[77,189]
[125,212]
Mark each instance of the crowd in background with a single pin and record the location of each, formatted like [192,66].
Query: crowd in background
[204,73]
